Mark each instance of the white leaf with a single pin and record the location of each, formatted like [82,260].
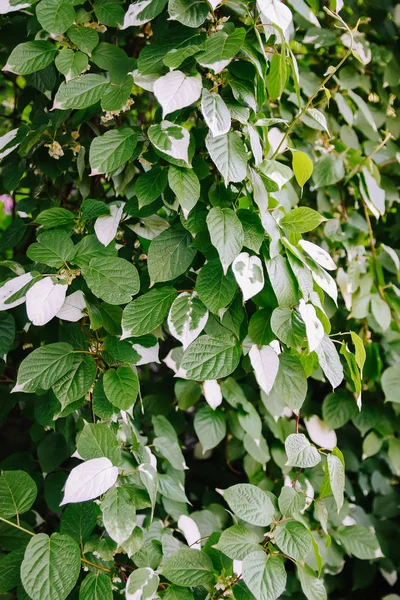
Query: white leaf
[318,254]
[214,3]
[249,274]
[142,584]
[44,299]
[373,195]
[106,226]
[260,193]
[255,144]
[150,227]
[319,433]
[276,13]
[191,531]
[7,138]
[187,318]
[314,328]
[10,288]
[6,6]
[73,307]
[216,113]
[148,354]
[212,393]
[131,16]
[265,363]
[176,90]
[325,281]
[89,480]
[275,137]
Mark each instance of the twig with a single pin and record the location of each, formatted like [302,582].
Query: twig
[222,592]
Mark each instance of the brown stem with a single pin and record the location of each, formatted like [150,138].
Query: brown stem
[222,592]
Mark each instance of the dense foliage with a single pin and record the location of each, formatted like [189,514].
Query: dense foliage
[200,309]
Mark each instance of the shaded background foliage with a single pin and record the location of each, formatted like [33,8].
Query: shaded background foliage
[361,105]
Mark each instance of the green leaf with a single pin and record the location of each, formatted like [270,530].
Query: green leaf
[17,493]
[293,539]
[150,185]
[170,254]
[390,384]
[10,566]
[84,38]
[360,353]
[175,592]
[96,586]
[121,387]
[226,234]
[220,48]
[264,575]
[55,16]
[300,452]
[336,478]
[290,502]
[277,76]
[43,367]
[143,584]
[291,382]
[250,503]
[210,427]
[114,280]
[188,568]
[302,167]
[210,357]
[216,113]
[109,12]
[359,541]
[7,332]
[116,96]
[301,220]
[80,92]
[79,520]
[112,149]
[329,361]
[339,408]
[30,57]
[172,142]
[149,478]
[147,312]
[52,248]
[119,514]
[70,63]
[228,153]
[253,230]
[328,171]
[186,186]
[283,281]
[187,318]
[90,247]
[96,440]
[191,13]
[313,588]
[51,566]
[77,381]
[215,289]
[238,541]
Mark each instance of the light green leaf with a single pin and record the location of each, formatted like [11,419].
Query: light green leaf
[170,254]
[301,220]
[112,149]
[142,584]
[302,167]
[226,234]
[360,353]
[114,280]
[277,76]
[30,57]
[121,387]
[149,478]
[210,427]
[188,568]
[146,313]
[250,503]
[283,281]
[328,170]
[391,384]
[293,539]
[290,502]
[215,112]
[381,312]
[228,153]
[52,248]
[186,186]
[43,367]
[360,542]
[80,92]
[318,116]
[313,588]
[336,478]
[96,586]
[55,16]
[51,566]
[238,541]
[277,172]
[329,361]
[97,440]
[264,575]
[210,357]
[17,493]
[119,514]
[300,452]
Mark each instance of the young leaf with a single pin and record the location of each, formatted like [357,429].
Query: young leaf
[302,167]
[300,452]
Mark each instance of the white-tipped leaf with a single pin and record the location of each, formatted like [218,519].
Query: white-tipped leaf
[106,226]
[12,287]
[191,531]
[249,274]
[265,363]
[318,254]
[44,299]
[314,328]
[89,480]
[187,318]
[212,393]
